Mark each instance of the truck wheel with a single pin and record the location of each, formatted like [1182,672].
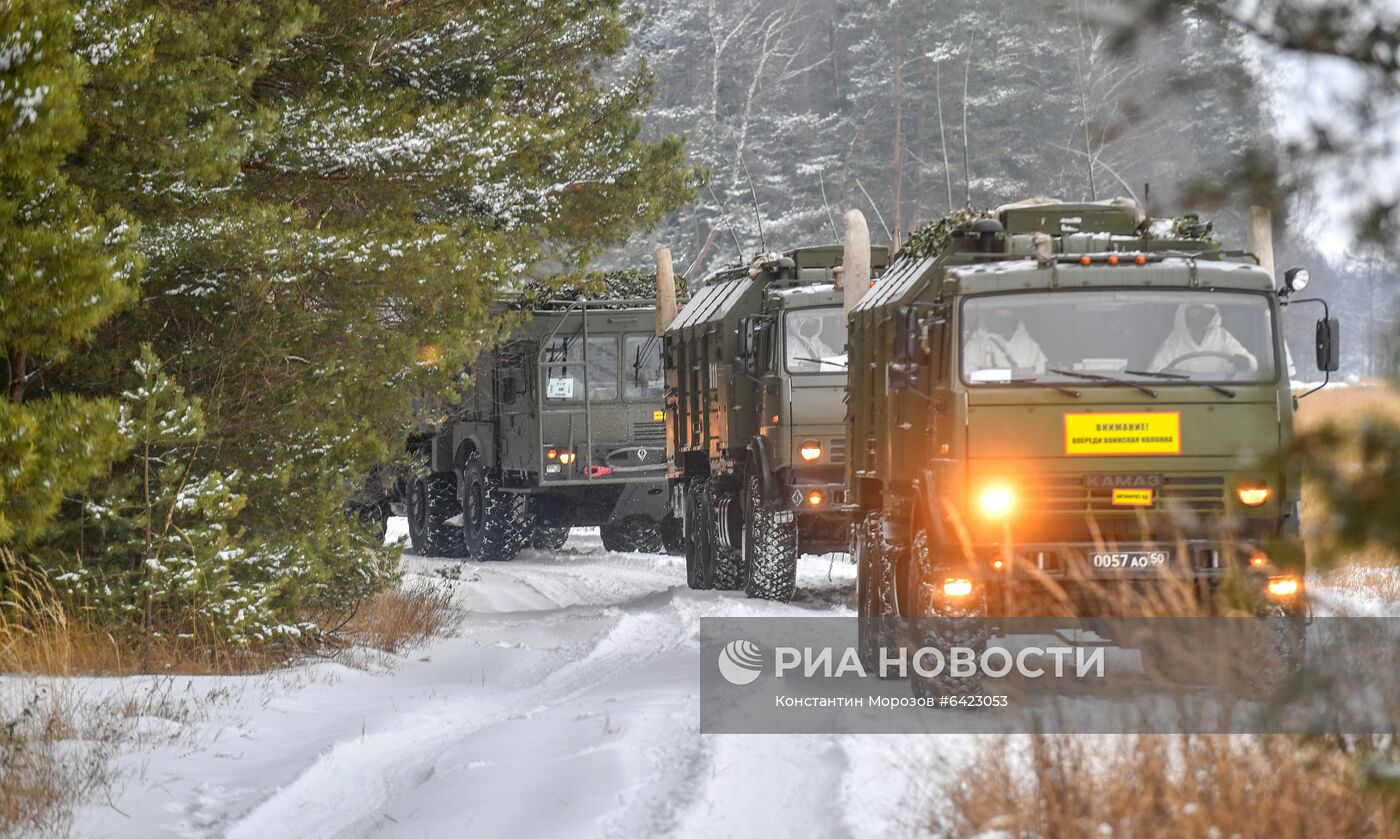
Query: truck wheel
[374,518]
[494,524]
[634,533]
[432,502]
[941,625]
[672,537]
[770,548]
[697,537]
[549,538]
[876,602]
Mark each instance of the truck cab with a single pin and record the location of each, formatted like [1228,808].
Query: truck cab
[1059,406]
[756,376]
[562,427]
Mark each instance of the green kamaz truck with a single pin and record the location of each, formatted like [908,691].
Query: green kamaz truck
[1063,400]
[562,427]
[755,403]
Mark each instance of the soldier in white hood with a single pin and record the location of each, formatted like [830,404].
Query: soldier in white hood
[1001,342]
[1197,329]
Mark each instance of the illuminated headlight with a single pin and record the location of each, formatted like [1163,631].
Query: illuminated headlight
[567,457]
[815,498]
[997,501]
[810,450]
[1283,588]
[957,587]
[1252,495]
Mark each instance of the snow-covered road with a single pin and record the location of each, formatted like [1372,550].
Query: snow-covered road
[565,706]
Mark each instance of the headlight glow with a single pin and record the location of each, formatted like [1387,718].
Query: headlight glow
[1282,588]
[957,587]
[810,450]
[1253,496]
[997,501]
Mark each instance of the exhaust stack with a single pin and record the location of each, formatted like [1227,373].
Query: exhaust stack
[855,260]
[1261,237]
[665,291]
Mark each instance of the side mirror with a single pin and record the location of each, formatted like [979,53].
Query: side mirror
[746,362]
[907,337]
[1329,348]
[901,375]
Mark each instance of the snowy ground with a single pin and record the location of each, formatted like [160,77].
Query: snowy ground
[566,705]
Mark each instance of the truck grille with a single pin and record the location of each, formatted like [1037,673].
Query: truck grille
[1067,494]
[837,450]
[648,432]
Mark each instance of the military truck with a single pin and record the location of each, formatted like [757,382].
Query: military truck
[1064,398]
[755,400]
[561,427]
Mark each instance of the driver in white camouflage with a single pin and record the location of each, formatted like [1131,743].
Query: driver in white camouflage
[1197,329]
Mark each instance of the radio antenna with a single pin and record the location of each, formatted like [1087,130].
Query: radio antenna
[822,180]
[738,248]
[757,216]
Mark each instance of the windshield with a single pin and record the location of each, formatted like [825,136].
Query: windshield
[1079,336]
[564,369]
[641,371]
[816,341]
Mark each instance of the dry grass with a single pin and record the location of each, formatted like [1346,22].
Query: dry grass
[400,618]
[1160,786]
[40,636]
[1344,408]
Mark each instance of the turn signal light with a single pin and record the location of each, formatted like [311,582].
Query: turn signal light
[957,587]
[810,450]
[1084,260]
[552,454]
[1141,260]
[567,457]
[815,498]
[997,501]
[1113,260]
[1282,588]
[1253,496]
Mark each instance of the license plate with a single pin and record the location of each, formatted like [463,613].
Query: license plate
[1129,561]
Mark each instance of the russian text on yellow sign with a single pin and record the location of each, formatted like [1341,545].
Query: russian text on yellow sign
[1132,498]
[1120,434]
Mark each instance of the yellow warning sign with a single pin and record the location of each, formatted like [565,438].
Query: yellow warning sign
[1132,498]
[658,416]
[1123,434]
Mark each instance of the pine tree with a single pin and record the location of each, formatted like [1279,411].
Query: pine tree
[64,269]
[322,191]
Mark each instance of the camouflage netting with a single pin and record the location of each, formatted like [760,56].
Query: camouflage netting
[933,237]
[628,284]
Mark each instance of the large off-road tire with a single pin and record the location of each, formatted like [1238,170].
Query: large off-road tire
[432,503]
[770,547]
[877,605]
[726,564]
[495,524]
[549,538]
[632,534]
[672,535]
[373,519]
[698,533]
[939,624]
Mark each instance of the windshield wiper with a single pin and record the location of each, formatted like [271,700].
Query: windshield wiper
[1095,377]
[818,361]
[1181,377]
[1068,391]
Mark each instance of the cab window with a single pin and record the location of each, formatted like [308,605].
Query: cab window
[564,369]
